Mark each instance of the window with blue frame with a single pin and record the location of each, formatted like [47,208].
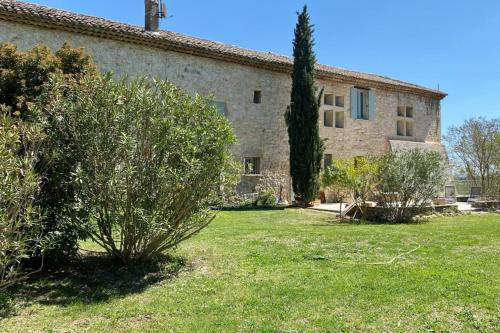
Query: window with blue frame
[362,104]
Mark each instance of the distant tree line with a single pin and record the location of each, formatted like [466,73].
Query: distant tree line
[474,150]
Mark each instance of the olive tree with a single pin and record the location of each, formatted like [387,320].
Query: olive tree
[407,182]
[152,159]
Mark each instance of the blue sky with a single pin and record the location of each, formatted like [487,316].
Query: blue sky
[453,44]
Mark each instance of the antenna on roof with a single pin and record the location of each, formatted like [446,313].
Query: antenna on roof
[162,10]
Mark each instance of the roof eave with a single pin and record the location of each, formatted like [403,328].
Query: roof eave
[155,40]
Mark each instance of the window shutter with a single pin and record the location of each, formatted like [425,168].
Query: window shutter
[371,105]
[354,103]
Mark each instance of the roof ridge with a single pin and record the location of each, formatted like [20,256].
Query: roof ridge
[285,56]
[220,43]
[35,14]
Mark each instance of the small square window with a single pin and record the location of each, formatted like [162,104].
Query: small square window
[257,96]
[339,101]
[410,128]
[400,128]
[401,111]
[328,118]
[339,119]
[252,165]
[328,98]
[221,106]
[409,112]
[327,160]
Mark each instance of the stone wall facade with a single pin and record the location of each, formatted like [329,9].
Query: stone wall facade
[361,137]
[260,128]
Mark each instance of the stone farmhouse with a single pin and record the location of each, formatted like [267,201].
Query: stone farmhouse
[361,114]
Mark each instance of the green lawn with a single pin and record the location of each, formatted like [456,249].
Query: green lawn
[286,271]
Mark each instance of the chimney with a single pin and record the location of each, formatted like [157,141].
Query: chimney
[152,15]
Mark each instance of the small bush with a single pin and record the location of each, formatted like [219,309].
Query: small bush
[151,161]
[266,198]
[451,211]
[235,201]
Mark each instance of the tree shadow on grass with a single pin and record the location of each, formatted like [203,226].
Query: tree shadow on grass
[349,222]
[95,278]
[250,208]
[6,308]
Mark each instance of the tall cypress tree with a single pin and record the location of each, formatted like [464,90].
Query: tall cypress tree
[306,147]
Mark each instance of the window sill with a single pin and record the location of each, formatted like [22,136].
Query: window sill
[404,138]
[330,107]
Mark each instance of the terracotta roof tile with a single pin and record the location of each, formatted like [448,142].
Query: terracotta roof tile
[54,18]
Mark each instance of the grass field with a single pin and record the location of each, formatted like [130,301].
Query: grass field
[284,271]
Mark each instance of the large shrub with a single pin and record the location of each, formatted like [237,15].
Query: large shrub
[408,181]
[19,185]
[151,161]
[23,76]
